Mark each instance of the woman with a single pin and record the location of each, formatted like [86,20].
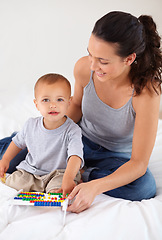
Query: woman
[116,102]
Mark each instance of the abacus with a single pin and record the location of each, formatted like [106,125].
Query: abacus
[38,199]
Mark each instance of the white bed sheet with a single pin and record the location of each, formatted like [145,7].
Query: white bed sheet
[107,218]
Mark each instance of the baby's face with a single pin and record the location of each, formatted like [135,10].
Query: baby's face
[52,100]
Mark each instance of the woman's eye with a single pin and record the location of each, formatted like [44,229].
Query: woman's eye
[104,63]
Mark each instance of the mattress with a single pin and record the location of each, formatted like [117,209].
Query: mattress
[107,218]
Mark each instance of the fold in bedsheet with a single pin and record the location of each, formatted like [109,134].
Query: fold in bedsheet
[107,218]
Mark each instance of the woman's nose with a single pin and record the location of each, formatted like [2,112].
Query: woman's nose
[94,64]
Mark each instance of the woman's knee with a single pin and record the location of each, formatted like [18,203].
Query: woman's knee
[140,189]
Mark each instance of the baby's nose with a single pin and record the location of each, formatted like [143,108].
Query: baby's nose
[52,105]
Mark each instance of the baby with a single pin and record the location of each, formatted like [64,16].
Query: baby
[54,142]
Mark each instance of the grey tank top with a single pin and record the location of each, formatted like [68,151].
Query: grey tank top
[104,125]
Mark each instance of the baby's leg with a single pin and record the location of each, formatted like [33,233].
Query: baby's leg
[21,179]
[56,180]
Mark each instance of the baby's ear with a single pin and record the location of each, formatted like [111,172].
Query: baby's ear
[70,99]
[35,102]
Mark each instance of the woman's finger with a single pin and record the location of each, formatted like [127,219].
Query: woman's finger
[74,192]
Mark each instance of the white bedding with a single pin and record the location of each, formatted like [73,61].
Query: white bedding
[107,218]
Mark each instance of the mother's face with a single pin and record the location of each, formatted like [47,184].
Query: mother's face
[105,62]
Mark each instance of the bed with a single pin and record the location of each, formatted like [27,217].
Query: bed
[107,218]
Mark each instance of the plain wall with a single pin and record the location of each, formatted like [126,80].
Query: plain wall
[42,36]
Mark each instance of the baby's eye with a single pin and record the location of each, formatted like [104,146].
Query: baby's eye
[45,100]
[60,99]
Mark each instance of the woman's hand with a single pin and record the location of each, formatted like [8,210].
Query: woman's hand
[85,194]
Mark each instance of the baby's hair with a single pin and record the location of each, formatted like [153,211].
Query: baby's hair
[52,78]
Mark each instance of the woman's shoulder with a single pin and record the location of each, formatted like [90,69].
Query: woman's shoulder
[148,99]
[82,71]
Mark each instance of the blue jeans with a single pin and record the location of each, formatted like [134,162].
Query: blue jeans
[4,143]
[100,162]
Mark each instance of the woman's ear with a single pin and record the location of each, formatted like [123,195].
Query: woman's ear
[130,59]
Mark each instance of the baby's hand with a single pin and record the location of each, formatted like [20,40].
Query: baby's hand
[4,178]
[66,187]
[3,168]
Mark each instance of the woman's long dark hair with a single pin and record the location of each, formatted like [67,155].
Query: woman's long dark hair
[134,35]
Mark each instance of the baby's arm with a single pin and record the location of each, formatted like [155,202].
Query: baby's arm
[71,171]
[10,153]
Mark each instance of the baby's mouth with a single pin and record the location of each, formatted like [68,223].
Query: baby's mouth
[53,113]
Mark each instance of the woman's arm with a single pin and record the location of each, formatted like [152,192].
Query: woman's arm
[147,110]
[82,76]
